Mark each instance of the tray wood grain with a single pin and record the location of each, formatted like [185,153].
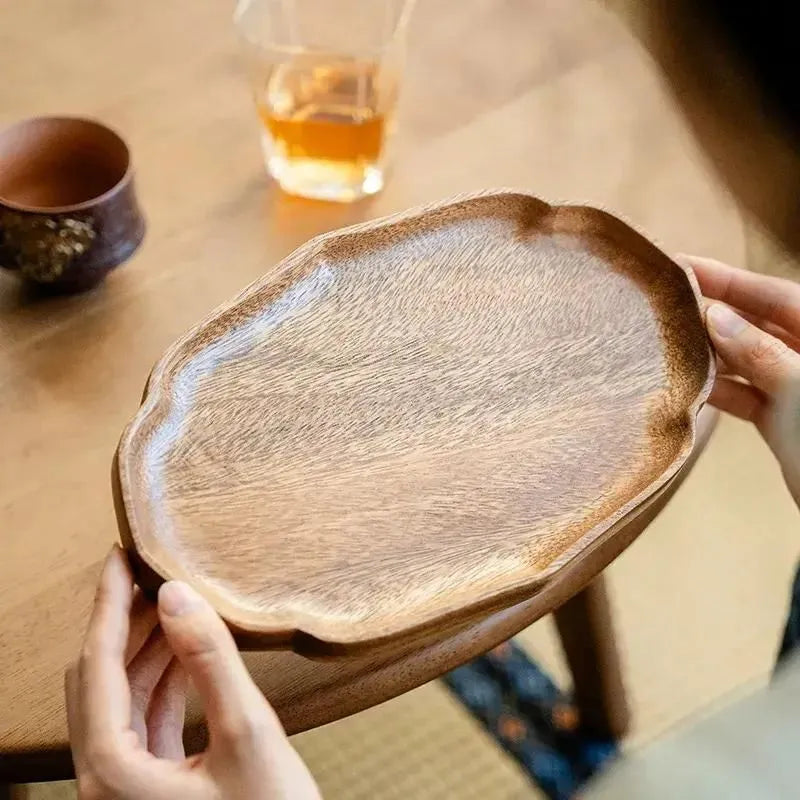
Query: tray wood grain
[414,420]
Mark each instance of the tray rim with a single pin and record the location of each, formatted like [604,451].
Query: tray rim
[251,630]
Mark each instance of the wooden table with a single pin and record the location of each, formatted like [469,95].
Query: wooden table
[551,96]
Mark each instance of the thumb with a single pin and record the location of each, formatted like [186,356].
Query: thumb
[764,360]
[234,706]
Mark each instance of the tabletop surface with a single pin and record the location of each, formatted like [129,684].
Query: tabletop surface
[553,97]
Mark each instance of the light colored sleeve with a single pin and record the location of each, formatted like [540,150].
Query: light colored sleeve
[749,750]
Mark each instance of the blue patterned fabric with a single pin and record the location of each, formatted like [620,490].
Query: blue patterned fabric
[537,724]
[531,719]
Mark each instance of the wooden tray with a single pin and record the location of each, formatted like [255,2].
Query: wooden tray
[414,420]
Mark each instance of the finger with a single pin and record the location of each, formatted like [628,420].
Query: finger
[166,714]
[741,400]
[722,367]
[785,431]
[776,300]
[772,329]
[105,694]
[769,327]
[144,674]
[750,352]
[143,619]
[235,709]
[74,721]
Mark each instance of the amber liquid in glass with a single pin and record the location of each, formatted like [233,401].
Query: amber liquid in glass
[326,126]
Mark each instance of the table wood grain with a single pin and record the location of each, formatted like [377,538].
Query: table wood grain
[552,96]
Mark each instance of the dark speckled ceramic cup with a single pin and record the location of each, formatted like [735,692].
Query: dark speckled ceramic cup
[68,212]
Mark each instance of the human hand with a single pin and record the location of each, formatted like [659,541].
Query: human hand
[126,698]
[755,328]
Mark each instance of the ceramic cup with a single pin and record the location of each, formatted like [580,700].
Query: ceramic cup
[68,212]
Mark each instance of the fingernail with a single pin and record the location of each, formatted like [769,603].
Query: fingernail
[116,561]
[176,598]
[724,322]
[114,552]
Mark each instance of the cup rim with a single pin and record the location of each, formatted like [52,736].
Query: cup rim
[84,204]
[289,49]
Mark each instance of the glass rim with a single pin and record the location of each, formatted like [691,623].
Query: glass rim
[397,32]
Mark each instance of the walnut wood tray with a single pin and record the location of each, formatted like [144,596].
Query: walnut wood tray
[414,420]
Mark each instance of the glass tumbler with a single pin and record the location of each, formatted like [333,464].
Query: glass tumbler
[325,76]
